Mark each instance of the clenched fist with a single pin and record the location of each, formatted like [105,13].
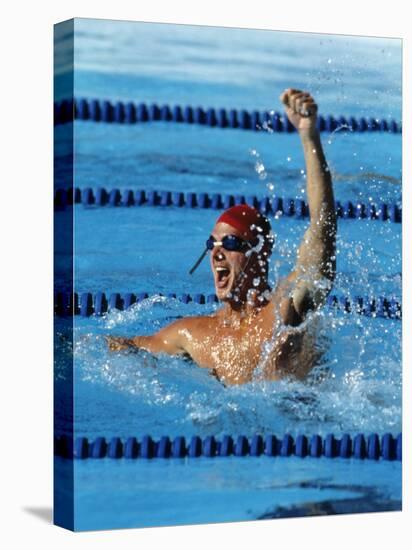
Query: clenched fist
[300,108]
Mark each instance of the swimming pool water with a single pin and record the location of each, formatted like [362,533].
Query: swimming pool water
[230,489]
[229,67]
[184,157]
[123,249]
[358,388]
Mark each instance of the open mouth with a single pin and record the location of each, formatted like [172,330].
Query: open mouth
[222,276]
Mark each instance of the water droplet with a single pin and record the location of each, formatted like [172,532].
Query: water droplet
[259,167]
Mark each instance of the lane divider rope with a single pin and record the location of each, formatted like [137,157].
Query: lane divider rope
[101,110]
[86,304]
[373,447]
[294,208]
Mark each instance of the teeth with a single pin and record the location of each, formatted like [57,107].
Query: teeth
[222,269]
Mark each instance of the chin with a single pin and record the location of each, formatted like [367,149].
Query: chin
[224,294]
[228,293]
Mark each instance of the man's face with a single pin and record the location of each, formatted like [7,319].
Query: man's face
[233,271]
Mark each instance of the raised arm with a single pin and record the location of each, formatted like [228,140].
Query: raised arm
[314,272]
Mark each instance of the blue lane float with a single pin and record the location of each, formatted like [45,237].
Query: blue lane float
[276,206]
[86,304]
[361,446]
[119,112]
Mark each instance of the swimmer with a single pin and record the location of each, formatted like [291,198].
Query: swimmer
[259,328]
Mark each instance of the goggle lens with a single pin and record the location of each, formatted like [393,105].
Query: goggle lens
[232,243]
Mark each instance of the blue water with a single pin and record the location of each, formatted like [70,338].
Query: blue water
[358,388]
[164,156]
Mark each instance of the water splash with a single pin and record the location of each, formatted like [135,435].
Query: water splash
[262,173]
[354,388]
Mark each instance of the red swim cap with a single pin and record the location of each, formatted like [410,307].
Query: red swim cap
[250,222]
[247,220]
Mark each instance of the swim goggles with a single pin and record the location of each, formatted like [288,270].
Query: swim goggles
[232,243]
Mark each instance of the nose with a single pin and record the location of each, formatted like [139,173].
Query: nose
[217,253]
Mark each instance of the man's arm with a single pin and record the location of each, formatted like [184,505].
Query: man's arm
[170,339]
[311,281]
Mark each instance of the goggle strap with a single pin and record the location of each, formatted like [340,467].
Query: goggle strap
[199,261]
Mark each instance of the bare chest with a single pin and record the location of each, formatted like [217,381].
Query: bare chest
[234,353]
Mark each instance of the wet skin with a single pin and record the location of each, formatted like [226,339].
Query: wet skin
[230,341]
[233,342]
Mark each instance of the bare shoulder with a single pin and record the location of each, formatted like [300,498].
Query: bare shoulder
[192,324]
[175,338]
[203,321]
[188,331]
